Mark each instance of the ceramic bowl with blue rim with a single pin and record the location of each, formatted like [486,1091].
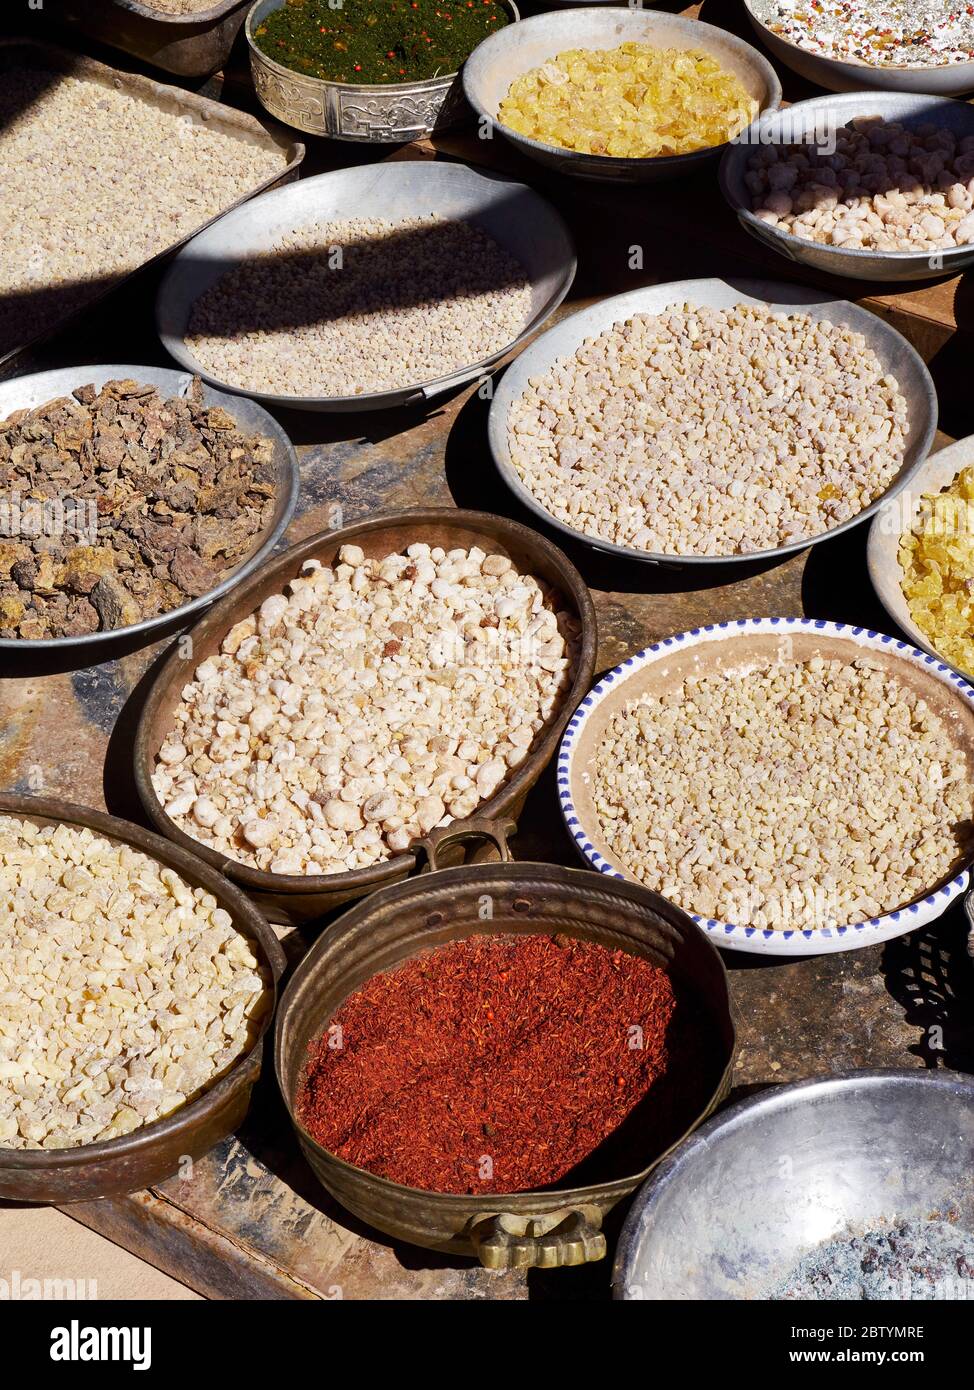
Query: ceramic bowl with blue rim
[734,648]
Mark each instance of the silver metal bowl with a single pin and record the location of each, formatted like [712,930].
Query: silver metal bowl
[895,518]
[739,1203]
[516,217]
[495,63]
[850,75]
[30,391]
[806,122]
[892,349]
[380,113]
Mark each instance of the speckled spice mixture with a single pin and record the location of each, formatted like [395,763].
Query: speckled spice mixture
[131,181]
[180,7]
[912,1261]
[882,33]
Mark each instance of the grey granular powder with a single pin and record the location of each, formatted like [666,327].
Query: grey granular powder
[911,1261]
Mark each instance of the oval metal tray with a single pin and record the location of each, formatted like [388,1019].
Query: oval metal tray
[40,387]
[189,45]
[892,349]
[516,217]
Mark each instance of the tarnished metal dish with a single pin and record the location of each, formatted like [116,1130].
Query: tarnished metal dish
[238,124]
[732,649]
[293,898]
[513,215]
[849,75]
[152,1153]
[495,63]
[863,1149]
[895,519]
[816,120]
[380,113]
[190,45]
[557,1226]
[34,390]
[898,357]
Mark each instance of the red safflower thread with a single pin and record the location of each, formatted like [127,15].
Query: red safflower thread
[503,1063]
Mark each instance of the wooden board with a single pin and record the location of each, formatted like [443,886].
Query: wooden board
[250,1220]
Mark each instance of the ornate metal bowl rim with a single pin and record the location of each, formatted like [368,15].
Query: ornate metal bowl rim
[370,87]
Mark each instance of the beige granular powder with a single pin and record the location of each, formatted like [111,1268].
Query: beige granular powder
[350,308]
[95,182]
[704,431]
[124,991]
[793,795]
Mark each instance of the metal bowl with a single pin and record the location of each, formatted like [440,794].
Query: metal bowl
[516,217]
[895,519]
[731,649]
[733,1210]
[805,122]
[295,898]
[851,75]
[495,63]
[30,391]
[560,1225]
[892,349]
[387,113]
[191,45]
[153,1152]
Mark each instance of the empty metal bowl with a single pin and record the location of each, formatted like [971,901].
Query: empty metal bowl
[849,75]
[731,1212]
[495,63]
[807,122]
[732,649]
[30,391]
[895,519]
[892,349]
[517,218]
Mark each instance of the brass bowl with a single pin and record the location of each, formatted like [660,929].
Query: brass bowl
[154,1151]
[292,899]
[557,1226]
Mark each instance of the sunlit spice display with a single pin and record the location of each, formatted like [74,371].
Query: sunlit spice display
[374,41]
[499,1063]
[937,559]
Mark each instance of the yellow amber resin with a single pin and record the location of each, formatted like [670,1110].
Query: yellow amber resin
[937,558]
[634,101]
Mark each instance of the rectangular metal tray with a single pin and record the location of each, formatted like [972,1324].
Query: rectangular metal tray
[238,124]
[190,45]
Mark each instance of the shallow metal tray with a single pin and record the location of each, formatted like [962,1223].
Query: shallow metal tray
[34,390]
[21,52]
[862,1147]
[892,349]
[190,45]
[517,218]
[802,123]
[495,63]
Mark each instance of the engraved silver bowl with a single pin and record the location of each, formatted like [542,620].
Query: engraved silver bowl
[379,113]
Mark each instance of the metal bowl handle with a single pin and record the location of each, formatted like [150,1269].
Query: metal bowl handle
[572,1236]
[462,832]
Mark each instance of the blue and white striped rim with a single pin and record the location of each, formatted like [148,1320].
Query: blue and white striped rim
[795,942]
